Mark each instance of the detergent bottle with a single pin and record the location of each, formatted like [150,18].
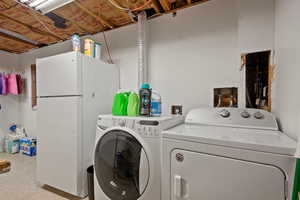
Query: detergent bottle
[120,104]
[133,106]
[155,104]
[145,100]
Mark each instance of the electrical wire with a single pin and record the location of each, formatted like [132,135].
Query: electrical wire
[128,9]
[117,6]
[142,6]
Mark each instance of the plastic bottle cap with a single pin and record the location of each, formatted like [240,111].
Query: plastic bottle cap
[145,86]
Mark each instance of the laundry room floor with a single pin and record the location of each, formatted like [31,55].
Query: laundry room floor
[19,183]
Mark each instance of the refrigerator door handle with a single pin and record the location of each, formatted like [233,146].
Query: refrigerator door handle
[59,96]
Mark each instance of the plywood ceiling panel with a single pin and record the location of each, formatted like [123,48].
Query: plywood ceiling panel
[82,17]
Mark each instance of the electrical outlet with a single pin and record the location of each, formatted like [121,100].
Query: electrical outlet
[176,109]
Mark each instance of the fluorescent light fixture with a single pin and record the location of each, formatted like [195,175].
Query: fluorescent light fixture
[45,6]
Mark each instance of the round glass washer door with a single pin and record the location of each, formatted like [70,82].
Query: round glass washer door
[121,166]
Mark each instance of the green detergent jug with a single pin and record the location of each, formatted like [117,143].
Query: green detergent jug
[120,104]
[133,104]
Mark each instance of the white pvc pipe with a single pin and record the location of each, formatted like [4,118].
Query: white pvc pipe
[142,49]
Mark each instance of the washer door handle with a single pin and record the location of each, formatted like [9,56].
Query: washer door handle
[177,186]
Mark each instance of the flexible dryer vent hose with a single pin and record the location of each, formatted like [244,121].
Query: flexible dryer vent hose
[142,49]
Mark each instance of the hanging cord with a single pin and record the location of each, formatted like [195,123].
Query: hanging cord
[105,40]
[107,48]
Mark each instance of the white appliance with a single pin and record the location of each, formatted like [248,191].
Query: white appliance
[127,157]
[73,89]
[228,154]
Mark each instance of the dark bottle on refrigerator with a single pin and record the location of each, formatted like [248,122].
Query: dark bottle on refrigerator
[145,100]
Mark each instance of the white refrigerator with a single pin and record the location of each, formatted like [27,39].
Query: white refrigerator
[73,89]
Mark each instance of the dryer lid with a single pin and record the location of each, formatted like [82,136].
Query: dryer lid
[121,165]
[252,139]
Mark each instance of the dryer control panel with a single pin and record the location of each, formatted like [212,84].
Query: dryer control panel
[233,117]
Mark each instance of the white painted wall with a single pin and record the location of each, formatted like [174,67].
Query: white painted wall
[256,25]
[195,52]
[189,55]
[10,104]
[287,65]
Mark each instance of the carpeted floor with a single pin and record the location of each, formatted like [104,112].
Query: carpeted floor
[19,183]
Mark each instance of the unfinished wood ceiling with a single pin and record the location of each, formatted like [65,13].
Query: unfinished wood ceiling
[81,16]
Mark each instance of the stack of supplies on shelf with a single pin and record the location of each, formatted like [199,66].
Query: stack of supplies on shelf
[28,146]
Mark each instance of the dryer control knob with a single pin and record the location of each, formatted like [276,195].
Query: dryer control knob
[258,115]
[245,114]
[225,113]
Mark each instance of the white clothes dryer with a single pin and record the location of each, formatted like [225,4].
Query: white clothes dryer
[228,154]
[127,157]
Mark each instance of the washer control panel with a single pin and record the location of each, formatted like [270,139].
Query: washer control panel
[147,130]
[150,128]
[145,126]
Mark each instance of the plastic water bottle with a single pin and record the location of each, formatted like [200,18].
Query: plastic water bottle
[155,104]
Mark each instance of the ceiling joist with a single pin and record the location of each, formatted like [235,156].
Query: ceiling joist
[100,19]
[82,17]
[33,29]
[186,6]
[165,4]
[156,5]
[8,50]
[124,12]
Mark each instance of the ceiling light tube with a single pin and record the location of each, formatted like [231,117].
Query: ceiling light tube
[37,2]
[50,5]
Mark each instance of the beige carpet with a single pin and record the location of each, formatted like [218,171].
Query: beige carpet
[19,183]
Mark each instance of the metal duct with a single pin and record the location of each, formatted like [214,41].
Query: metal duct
[19,36]
[142,48]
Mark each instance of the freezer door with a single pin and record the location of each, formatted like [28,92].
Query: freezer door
[59,144]
[196,176]
[59,75]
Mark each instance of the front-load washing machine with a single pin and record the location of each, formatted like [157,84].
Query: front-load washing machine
[228,154]
[127,157]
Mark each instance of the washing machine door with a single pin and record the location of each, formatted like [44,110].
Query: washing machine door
[121,165]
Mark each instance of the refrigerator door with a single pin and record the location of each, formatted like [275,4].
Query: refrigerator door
[59,148]
[100,82]
[59,75]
